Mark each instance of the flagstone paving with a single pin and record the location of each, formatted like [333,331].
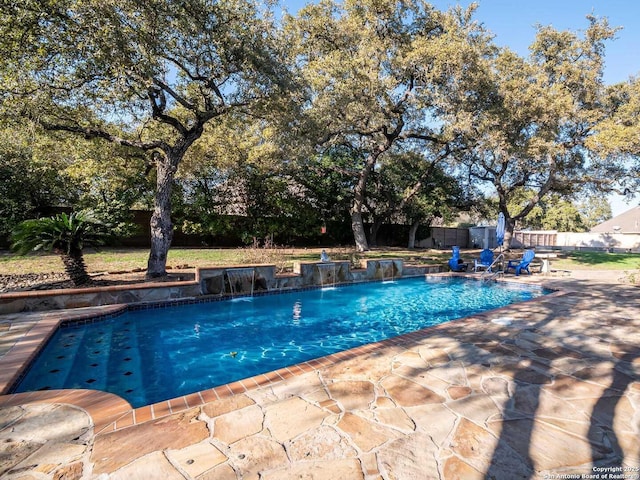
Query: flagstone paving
[556,392]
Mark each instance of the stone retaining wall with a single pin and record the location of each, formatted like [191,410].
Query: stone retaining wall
[31,301]
[229,280]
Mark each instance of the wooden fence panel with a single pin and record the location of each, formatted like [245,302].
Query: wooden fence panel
[526,239]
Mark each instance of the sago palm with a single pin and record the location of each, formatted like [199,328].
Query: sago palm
[65,235]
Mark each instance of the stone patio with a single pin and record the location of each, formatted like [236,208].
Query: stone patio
[556,392]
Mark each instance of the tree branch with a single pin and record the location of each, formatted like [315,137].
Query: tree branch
[177,97]
[158,104]
[414,135]
[90,133]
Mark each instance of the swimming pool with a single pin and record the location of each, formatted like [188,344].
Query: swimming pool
[146,356]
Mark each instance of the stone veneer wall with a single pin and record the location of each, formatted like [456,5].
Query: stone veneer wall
[215,280]
[30,301]
[384,268]
[323,273]
[211,281]
[418,270]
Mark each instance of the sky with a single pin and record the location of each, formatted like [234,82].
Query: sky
[513,24]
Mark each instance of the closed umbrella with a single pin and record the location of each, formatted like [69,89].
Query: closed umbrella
[500,230]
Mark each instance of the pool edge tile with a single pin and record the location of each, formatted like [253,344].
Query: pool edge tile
[236,387]
[193,400]
[223,391]
[209,395]
[161,409]
[125,421]
[178,404]
[143,414]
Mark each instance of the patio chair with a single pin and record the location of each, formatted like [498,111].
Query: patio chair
[456,264]
[485,260]
[522,264]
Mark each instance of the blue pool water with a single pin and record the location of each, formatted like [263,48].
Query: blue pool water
[146,356]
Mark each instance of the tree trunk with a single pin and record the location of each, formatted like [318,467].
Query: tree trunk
[357,225]
[359,234]
[75,267]
[161,226]
[509,227]
[412,234]
[373,232]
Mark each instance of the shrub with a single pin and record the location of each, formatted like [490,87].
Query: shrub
[65,235]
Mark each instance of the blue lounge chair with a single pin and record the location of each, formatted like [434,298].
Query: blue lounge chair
[485,261]
[523,264]
[456,264]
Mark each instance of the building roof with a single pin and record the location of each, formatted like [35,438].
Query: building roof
[627,222]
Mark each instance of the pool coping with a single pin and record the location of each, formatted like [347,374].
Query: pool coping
[110,412]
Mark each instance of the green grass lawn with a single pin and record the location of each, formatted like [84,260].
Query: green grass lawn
[596,261]
[116,260]
[129,259]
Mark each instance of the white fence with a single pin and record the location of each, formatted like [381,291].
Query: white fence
[625,242]
[482,237]
[629,242]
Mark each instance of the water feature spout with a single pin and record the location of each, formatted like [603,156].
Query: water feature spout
[386,266]
[327,271]
[239,278]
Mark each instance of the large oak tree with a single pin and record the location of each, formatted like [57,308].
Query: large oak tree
[619,131]
[617,140]
[529,131]
[147,75]
[381,76]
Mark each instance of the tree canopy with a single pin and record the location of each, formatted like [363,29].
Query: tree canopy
[373,110]
[383,76]
[616,143]
[531,126]
[147,75]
